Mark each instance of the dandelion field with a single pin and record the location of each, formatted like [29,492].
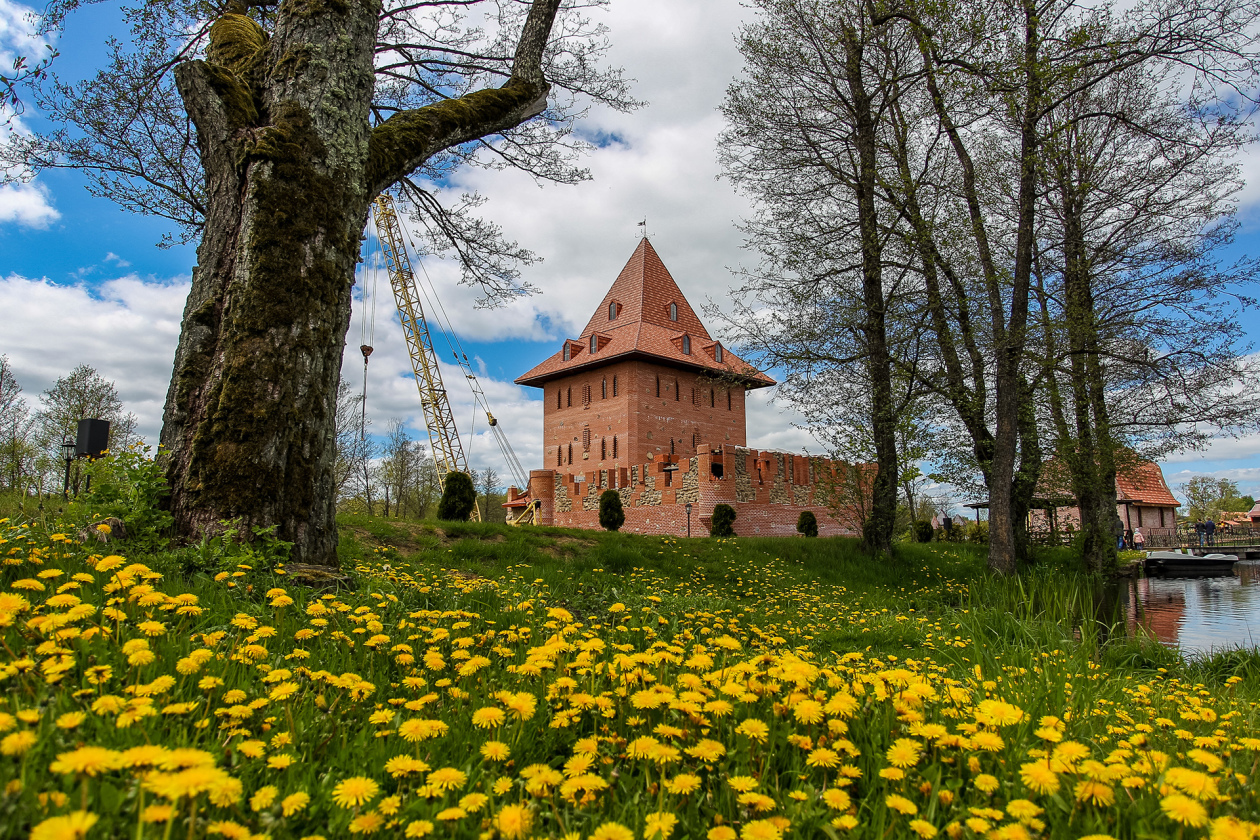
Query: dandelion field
[486,683]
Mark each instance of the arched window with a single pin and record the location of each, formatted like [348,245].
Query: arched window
[673,312]
[603,388]
[567,351]
[594,342]
[614,385]
[717,352]
[614,447]
[586,440]
[686,345]
[612,311]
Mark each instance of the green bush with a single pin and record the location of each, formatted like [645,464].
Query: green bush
[611,515]
[723,524]
[977,532]
[922,531]
[129,485]
[458,498]
[807,524]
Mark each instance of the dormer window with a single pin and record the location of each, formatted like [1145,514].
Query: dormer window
[594,342]
[673,312]
[612,311]
[717,352]
[686,342]
[567,352]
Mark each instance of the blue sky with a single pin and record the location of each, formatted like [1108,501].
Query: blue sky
[82,281]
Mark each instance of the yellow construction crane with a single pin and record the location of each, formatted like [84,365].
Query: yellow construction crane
[444,442]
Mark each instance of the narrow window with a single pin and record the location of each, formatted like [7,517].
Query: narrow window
[673,312]
[586,440]
[568,395]
[728,399]
[676,389]
[671,446]
[586,396]
[695,439]
[559,456]
[717,352]
[686,345]
[603,388]
[570,452]
[603,448]
[594,342]
[567,354]
[559,399]
[614,447]
[612,311]
[658,386]
[711,398]
[614,386]
[693,397]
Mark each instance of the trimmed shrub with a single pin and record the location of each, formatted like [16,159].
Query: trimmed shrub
[611,515]
[458,498]
[922,531]
[807,523]
[723,521]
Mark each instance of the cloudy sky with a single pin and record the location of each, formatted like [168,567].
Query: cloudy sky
[82,281]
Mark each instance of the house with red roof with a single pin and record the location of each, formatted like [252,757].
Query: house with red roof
[1143,499]
[646,402]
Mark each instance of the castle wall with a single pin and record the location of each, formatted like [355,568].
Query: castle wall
[767,489]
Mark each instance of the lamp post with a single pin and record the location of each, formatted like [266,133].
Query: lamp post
[68,444]
[689,519]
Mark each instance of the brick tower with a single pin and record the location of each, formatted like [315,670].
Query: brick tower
[644,381]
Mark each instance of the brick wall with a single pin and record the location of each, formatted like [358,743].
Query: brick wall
[767,489]
[578,433]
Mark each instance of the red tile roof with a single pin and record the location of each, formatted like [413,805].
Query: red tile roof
[1143,483]
[643,292]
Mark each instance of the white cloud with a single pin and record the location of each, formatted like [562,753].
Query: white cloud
[117,260]
[27,204]
[126,328]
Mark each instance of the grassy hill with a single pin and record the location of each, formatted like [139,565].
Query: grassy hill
[483,681]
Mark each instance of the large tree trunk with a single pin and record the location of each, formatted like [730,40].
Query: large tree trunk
[292,163]
[877,529]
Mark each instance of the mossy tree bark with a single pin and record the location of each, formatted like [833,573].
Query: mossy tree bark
[292,164]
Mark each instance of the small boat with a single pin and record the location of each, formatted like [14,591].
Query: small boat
[1179,564]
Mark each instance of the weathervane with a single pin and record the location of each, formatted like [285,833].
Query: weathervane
[643,224]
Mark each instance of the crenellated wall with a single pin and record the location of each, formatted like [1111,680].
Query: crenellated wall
[767,489]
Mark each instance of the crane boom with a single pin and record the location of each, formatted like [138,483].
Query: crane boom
[444,441]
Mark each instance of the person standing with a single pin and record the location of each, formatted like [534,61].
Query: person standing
[1128,538]
[1210,528]
[1139,541]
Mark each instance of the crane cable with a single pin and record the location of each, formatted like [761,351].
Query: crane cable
[444,325]
[367,328]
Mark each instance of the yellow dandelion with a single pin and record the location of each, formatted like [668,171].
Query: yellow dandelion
[612,831]
[514,821]
[1184,810]
[355,791]
[901,805]
[760,830]
[69,827]
[293,803]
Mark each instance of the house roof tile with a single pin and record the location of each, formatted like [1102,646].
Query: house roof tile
[643,292]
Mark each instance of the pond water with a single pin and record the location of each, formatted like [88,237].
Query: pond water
[1200,615]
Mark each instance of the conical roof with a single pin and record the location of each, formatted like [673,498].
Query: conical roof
[652,320]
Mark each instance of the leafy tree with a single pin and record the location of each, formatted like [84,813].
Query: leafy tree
[488,487]
[304,112]
[458,498]
[611,515]
[922,530]
[17,450]
[1207,495]
[723,521]
[807,524]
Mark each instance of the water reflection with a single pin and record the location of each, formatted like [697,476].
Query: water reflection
[1199,615]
